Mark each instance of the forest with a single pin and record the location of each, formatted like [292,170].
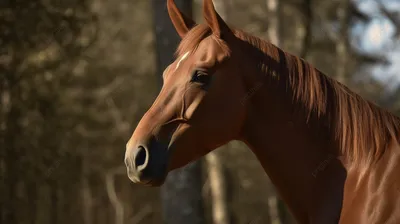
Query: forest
[76,76]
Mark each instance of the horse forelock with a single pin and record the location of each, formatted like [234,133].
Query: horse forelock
[192,39]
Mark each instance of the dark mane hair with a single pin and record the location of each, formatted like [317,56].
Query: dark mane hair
[362,130]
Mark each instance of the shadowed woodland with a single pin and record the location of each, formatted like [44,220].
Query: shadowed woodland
[76,76]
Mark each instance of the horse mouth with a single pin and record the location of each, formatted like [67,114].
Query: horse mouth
[154,183]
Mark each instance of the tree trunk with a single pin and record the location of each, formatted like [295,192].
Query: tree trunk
[343,41]
[11,150]
[273,36]
[4,103]
[216,178]
[304,32]
[181,192]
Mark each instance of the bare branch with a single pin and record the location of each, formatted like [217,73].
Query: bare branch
[121,124]
[139,216]
[356,13]
[112,195]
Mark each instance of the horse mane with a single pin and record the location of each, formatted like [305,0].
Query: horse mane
[362,130]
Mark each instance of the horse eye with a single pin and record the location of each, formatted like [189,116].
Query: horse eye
[201,77]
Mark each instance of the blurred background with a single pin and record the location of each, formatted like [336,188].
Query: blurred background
[77,75]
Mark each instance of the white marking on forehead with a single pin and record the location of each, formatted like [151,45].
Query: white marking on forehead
[182,58]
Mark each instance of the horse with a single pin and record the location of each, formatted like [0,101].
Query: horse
[333,156]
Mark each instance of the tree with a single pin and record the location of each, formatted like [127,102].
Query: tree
[181,192]
[216,177]
[342,45]
[273,36]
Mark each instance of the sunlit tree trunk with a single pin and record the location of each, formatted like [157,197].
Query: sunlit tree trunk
[273,21]
[181,193]
[87,198]
[215,175]
[342,45]
[273,36]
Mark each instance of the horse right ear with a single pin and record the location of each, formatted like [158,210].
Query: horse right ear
[214,20]
[182,23]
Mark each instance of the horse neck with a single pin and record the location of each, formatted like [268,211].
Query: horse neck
[294,157]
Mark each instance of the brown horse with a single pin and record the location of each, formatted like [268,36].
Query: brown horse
[333,156]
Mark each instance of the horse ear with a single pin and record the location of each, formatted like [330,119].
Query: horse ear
[214,20]
[182,23]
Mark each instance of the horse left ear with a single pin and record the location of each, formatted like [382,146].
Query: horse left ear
[214,20]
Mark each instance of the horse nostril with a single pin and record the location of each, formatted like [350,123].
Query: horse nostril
[141,157]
